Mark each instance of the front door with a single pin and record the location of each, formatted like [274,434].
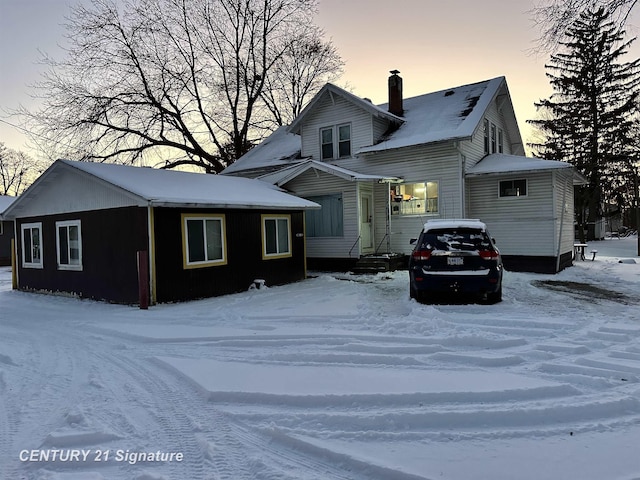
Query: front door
[366,223]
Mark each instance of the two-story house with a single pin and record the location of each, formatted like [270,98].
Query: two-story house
[379,172]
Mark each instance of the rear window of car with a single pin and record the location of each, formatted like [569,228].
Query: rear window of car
[468,239]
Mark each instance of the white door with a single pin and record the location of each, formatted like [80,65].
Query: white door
[366,223]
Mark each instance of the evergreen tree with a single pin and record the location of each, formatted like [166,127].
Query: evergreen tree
[588,119]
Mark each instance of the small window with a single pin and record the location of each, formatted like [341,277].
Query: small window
[494,138]
[69,245]
[486,136]
[326,140]
[32,245]
[513,188]
[500,141]
[414,198]
[203,240]
[276,236]
[344,141]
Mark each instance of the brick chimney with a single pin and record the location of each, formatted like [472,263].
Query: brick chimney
[395,93]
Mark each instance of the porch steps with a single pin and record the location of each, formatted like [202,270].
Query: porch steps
[376,263]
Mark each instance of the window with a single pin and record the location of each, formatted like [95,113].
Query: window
[32,245]
[329,148]
[513,188]
[326,136]
[493,138]
[69,245]
[203,240]
[276,236]
[329,220]
[414,198]
[344,141]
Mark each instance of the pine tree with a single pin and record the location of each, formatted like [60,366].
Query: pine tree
[589,117]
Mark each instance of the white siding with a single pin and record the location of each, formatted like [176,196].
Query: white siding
[334,110]
[74,192]
[439,163]
[520,225]
[313,183]
[564,210]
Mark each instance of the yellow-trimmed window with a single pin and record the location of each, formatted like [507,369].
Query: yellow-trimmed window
[276,236]
[203,240]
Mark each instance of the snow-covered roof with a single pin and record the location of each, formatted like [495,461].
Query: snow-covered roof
[175,188]
[449,114]
[277,149]
[502,163]
[454,223]
[287,174]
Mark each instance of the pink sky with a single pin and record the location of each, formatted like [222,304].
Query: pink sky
[434,44]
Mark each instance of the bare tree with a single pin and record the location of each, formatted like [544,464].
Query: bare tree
[306,65]
[17,171]
[182,81]
[554,17]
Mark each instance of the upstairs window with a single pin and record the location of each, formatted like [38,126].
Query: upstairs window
[493,138]
[414,198]
[69,245]
[513,188]
[335,142]
[32,245]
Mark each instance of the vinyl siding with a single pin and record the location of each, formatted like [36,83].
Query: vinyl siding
[334,110]
[474,149]
[520,225]
[564,201]
[313,183]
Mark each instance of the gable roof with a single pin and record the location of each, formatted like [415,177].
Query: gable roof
[285,175]
[154,187]
[331,89]
[451,114]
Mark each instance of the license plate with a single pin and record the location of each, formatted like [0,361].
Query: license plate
[455,261]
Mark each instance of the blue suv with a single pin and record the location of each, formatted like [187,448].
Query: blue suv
[455,257]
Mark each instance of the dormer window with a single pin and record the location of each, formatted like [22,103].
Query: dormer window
[493,138]
[335,141]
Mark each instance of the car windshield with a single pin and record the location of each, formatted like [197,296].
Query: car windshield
[467,239]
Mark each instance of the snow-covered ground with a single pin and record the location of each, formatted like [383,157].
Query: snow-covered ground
[336,377]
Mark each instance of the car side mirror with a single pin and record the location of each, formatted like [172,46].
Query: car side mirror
[412,241]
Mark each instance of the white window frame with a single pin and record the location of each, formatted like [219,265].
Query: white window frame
[69,266]
[187,264]
[31,227]
[335,141]
[279,253]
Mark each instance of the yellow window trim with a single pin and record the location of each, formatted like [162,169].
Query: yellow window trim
[274,256]
[207,263]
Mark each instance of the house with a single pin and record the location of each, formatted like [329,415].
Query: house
[379,172]
[114,232]
[6,232]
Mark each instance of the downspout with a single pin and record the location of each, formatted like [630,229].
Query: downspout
[14,256]
[462,159]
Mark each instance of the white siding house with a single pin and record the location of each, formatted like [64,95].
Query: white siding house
[382,171]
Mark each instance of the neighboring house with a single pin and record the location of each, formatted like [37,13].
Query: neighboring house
[379,172]
[6,231]
[86,228]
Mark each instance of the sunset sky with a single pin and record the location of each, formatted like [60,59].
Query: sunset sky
[434,44]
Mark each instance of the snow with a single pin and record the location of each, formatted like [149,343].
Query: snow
[164,187]
[5,202]
[335,377]
[454,223]
[502,163]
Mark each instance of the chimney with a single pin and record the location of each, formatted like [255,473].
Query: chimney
[395,93]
